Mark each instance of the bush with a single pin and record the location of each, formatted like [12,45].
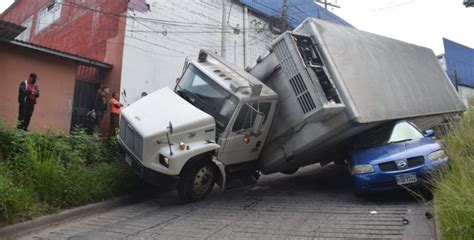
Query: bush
[43,173]
[454,191]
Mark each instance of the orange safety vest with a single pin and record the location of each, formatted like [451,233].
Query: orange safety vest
[114,106]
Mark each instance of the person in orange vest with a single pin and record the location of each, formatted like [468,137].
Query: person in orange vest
[115,110]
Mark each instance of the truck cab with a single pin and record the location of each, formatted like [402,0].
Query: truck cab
[212,126]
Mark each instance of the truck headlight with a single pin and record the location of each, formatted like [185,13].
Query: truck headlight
[165,161]
[438,155]
[361,169]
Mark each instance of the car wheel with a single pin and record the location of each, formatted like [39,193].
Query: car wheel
[290,171]
[197,180]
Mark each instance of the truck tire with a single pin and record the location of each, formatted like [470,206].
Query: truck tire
[290,171]
[196,179]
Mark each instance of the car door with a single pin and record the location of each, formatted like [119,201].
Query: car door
[235,148]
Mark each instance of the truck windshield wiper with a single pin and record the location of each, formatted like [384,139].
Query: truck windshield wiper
[399,141]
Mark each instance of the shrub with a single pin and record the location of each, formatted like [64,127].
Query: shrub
[16,202]
[454,191]
[42,173]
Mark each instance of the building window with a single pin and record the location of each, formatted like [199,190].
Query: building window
[49,14]
[25,35]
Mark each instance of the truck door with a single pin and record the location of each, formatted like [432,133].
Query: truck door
[236,148]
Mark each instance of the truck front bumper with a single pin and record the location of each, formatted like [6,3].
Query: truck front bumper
[146,174]
[379,181]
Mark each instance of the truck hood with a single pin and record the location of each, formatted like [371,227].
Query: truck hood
[150,116]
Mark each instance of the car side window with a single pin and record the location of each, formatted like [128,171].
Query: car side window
[246,117]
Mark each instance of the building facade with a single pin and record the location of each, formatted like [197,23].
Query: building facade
[148,41]
[458,63]
[57,74]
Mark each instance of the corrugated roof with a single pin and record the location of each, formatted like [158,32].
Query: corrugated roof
[298,10]
[459,63]
[59,53]
[10,30]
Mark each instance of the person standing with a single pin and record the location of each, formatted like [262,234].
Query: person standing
[100,104]
[27,95]
[115,110]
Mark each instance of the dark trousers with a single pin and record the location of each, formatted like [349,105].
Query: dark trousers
[114,123]
[25,112]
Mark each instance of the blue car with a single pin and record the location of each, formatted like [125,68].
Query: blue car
[394,155]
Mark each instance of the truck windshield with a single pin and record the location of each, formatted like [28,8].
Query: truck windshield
[201,91]
[386,134]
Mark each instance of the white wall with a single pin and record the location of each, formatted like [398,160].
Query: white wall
[157,42]
[467,93]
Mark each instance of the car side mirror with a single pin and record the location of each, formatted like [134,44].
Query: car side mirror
[429,133]
[257,125]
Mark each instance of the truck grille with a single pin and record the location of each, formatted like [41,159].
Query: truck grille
[300,89]
[392,166]
[131,139]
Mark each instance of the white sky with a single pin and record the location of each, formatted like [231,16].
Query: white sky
[422,22]
[4,4]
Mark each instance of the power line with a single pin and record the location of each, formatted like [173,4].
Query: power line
[206,28]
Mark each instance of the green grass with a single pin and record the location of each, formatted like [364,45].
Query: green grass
[454,190]
[44,173]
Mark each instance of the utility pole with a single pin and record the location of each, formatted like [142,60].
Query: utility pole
[284,16]
[223,34]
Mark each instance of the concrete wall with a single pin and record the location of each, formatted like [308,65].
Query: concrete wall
[155,51]
[56,78]
[467,96]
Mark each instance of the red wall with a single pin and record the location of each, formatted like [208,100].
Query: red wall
[80,30]
[56,77]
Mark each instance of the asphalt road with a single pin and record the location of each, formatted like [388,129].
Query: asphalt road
[314,203]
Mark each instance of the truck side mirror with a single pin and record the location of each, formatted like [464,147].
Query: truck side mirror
[429,133]
[258,123]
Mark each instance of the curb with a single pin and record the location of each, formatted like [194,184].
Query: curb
[436,222]
[12,231]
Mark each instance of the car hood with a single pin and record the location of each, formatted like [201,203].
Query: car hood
[395,151]
[151,115]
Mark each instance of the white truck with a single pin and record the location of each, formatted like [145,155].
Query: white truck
[318,87]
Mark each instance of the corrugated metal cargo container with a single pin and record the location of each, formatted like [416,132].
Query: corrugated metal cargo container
[345,81]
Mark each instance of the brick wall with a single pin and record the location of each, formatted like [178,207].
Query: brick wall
[78,30]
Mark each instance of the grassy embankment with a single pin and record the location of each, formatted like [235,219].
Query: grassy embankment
[45,173]
[454,191]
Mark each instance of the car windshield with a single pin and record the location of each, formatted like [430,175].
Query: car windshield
[205,94]
[385,134]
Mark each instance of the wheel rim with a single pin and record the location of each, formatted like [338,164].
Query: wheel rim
[203,180]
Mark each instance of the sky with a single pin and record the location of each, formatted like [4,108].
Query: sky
[421,22]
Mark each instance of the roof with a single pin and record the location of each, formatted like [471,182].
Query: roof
[55,52]
[298,10]
[10,30]
[407,80]
[459,63]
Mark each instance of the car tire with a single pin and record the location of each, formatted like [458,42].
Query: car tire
[197,179]
[290,171]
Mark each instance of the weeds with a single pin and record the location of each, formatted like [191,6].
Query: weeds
[454,189]
[42,173]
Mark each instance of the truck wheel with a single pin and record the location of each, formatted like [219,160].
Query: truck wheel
[290,171]
[197,180]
